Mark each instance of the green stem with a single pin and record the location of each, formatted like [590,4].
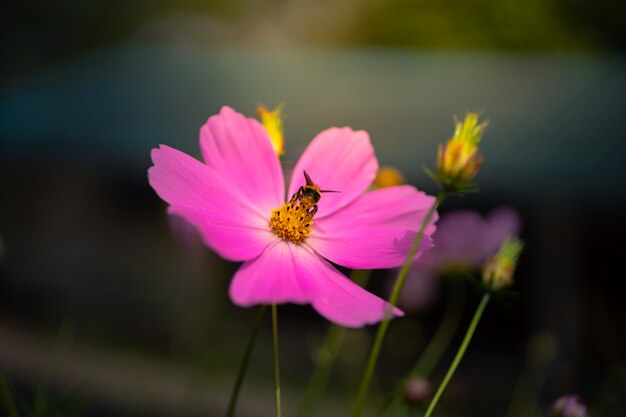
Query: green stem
[524,400]
[9,404]
[442,337]
[234,396]
[327,355]
[459,353]
[333,341]
[276,356]
[435,349]
[395,294]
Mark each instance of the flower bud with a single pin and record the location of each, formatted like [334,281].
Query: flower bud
[500,268]
[569,406]
[271,120]
[417,391]
[388,177]
[458,161]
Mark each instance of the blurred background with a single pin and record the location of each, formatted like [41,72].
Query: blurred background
[103,296]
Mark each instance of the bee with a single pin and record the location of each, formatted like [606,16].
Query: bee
[309,195]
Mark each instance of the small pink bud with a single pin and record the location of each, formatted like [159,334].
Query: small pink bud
[417,390]
[569,406]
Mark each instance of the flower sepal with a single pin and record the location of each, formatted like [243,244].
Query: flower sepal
[450,185]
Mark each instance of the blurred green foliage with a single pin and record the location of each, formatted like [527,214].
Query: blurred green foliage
[36,32]
[505,24]
[43,404]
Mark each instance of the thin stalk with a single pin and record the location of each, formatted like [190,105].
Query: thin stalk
[276,357]
[442,337]
[328,353]
[524,400]
[395,294]
[331,346]
[234,396]
[433,352]
[459,354]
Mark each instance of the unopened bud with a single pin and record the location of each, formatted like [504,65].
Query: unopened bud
[388,177]
[271,120]
[569,406]
[459,160]
[417,391]
[500,268]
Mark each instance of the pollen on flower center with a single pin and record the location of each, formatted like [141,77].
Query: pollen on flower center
[292,221]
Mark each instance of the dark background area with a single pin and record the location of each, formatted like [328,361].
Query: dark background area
[98,286]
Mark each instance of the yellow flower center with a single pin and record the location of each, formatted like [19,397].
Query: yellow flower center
[293,220]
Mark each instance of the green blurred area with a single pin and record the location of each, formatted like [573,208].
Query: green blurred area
[34,32]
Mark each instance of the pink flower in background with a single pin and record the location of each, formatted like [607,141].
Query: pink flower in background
[464,240]
[239,188]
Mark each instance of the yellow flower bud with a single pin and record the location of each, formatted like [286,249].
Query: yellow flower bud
[458,160]
[388,177]
[500,268]
[271,120]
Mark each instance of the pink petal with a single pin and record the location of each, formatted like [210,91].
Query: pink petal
[229,223]
[338,159]
[376,230]
[239,149]
[420,289]
[458,240]
[289,273]
[503,222]
[465,238]
[272,278]
[339,299]
[230,239]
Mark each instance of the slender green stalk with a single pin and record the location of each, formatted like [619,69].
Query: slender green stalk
[459,354]
[395,294]
[328,354]
[276,363]
[443,336]
[433,352]
[331,346]
[234,396]
[523,401]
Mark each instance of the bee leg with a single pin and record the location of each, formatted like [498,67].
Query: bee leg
[297,195]
[313,211]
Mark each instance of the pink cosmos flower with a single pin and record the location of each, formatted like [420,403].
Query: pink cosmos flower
[464,240]
[236,199]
